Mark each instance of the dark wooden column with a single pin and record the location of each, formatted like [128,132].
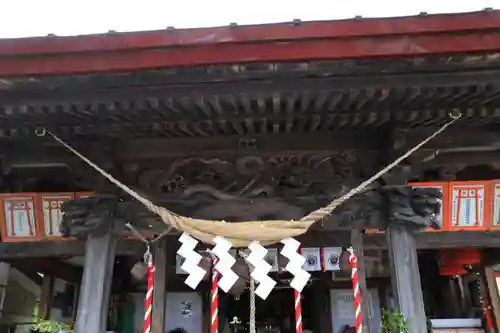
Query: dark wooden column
[405,277]
[46,297]
[357,245]
[96,284]
[455,296]
[160,291]
[4,279]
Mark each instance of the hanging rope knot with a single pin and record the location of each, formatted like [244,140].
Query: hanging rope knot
[40,131]
[455,114]
[353,260]
[148,257]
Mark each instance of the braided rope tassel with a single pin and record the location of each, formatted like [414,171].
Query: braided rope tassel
[353,260]
[149,297]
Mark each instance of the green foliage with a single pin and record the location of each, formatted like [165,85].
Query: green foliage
[49,326]
[393,322]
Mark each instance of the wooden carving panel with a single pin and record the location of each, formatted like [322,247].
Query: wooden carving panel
[443,216]
[51,210]
[254,176]
[19,217]
[469,205]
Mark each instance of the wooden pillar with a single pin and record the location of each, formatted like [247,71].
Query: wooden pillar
[357,245]
[96,284]
[46,297]
[4,279]
[465,298]
[160,291]
[455,298]
[405,277]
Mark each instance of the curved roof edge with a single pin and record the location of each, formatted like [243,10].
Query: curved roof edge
[294,41]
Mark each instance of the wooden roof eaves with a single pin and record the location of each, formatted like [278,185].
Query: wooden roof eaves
[365,38]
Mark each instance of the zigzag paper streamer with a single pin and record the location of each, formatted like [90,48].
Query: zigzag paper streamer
[261,269]
[192,260]
[295,263]
[225,263]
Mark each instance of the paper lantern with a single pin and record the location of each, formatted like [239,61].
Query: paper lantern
[454,262]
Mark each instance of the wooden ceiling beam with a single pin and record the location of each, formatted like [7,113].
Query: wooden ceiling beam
[281,144]
[263,70]
[450,143]
[490,158]
[427,240]
[263,87]
[453,138]
[50,266]
[365,140]
[29,272]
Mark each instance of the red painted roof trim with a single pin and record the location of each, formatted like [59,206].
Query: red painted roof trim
[351,28]
[389,37]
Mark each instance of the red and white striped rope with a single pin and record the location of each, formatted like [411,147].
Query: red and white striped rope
[298,308]
[298,311]
[214,305]
[149,297]
[353,261]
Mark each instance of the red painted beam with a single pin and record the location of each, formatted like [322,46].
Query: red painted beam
[243,53]
[396,37]
[258,33]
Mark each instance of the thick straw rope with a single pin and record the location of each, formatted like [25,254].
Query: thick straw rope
[241,234]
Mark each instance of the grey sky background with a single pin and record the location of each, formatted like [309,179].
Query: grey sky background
[24,18]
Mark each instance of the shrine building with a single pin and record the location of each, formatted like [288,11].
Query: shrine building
[252,123]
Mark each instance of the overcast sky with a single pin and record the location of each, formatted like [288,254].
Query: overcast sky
[22,18]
